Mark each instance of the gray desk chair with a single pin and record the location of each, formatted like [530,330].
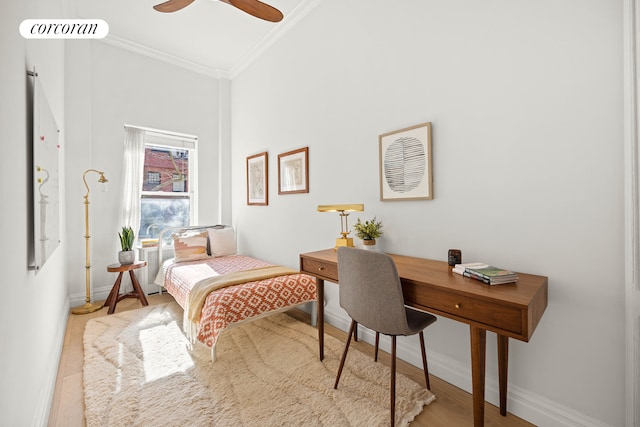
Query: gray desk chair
[371,293]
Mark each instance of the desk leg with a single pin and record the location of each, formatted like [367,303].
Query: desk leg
[320,303]
[503,368]
[478,357]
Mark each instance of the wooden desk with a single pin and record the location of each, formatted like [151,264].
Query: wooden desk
[510,310]
[114,296]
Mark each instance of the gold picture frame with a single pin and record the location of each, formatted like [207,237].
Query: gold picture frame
[258,180]
[406,169]
[293,171]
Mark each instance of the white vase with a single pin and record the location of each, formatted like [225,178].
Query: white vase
[126,257]
[369,244]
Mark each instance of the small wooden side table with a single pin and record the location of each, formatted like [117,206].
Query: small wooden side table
[114,296]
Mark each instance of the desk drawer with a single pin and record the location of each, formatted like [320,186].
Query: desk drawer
[493,314]
[319,268]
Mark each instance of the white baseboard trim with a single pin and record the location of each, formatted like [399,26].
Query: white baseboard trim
[544,412]
[43,405]
[99,294]
[520,402]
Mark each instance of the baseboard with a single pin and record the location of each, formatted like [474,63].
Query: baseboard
[544,412]
[520,402]
[99,294]
[43,405]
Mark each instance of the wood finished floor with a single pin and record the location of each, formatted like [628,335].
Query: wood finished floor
[453,406]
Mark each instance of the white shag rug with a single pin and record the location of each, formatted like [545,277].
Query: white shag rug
[140,370]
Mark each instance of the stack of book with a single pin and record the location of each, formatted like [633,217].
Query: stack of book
[486,273]
[148,243]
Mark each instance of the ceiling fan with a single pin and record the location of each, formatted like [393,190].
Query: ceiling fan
[252,7]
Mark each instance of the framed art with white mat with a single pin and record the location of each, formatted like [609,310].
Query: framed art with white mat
[293,171]
[258,180]
[406,171]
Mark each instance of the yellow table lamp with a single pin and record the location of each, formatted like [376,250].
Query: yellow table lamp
[344,211]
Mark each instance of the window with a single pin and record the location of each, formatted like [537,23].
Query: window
[178,183]
[169,195]
[153,178]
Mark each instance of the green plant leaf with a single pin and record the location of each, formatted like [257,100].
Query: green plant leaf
[127,237]
[369,229]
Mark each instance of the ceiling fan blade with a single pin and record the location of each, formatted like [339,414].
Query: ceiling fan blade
[172,5]
[257,9]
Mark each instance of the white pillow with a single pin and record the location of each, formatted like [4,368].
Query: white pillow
[190,247]
[222,241]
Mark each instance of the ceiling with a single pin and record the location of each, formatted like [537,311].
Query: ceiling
[208,36]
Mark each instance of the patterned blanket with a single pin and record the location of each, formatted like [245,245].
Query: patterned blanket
[231,302]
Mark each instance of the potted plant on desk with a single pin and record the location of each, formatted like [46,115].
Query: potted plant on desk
[368,231]
[126,255]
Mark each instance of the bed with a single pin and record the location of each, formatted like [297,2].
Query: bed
[219,288]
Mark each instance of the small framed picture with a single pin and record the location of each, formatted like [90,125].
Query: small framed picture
[405,164]
[293,171]
[258,180]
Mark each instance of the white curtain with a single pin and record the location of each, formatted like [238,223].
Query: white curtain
[133,166]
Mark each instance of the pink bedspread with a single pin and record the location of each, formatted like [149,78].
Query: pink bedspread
[237,303]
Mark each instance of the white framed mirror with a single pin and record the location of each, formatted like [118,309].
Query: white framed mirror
[46,178]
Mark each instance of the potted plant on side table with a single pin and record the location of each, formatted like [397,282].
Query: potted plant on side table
[126,255]
[368,231]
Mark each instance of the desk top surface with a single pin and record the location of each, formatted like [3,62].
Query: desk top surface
[426,272]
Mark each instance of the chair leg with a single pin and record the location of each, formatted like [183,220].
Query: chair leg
[393,380]
[424,361]
[344,353]
[375,359]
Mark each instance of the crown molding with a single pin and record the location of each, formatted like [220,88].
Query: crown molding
[299,12]
[150,52]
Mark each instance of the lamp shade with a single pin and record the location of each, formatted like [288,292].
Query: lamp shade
[341,208]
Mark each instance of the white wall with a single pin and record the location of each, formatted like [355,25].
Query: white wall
[93,89]
[33,307]
[108,88]
[526,104]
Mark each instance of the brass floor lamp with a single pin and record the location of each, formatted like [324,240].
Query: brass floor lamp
[88,307]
